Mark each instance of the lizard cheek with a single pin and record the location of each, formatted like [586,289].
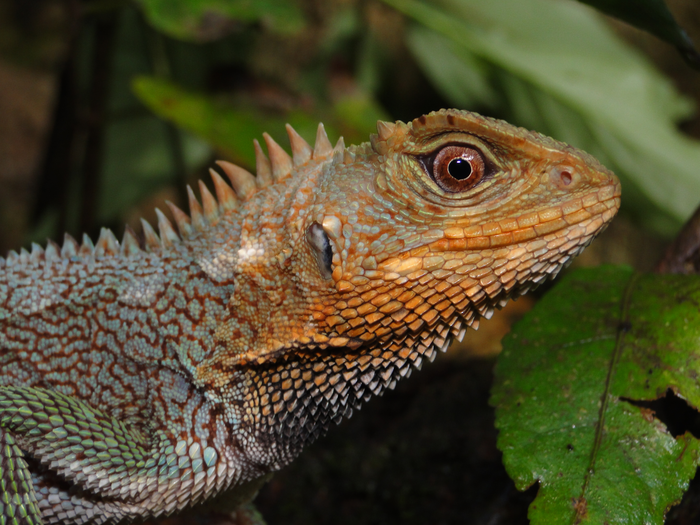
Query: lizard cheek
[564,177]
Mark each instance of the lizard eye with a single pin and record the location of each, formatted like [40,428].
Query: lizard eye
[458,168]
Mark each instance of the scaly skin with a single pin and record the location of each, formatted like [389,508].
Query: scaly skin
[141,379]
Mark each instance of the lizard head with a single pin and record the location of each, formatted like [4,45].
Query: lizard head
[444,219]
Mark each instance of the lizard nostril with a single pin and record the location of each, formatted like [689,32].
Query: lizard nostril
[563,176]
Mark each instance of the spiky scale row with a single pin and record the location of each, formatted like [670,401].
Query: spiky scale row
[244,184]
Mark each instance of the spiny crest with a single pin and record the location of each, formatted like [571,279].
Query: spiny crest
[388,135]
[244,185]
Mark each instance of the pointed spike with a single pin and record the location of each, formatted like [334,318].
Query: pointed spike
[70,247]
[280,160]
[263,169]
[378,145]
[111,243]
[24,257]
[106,244]
[242,180]
[348,158]
[168,235]
[53,251]
[130,244]
[37,254]
[301,151]
[12,258]
[152,242]
[323,147]
[211,207]
[87,249]
[184,225]
[197,218]
[385,129]
[224,194]
[339,150]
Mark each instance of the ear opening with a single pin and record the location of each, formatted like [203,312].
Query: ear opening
[321,246]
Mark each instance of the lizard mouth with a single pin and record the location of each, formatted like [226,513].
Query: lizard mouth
[595,209]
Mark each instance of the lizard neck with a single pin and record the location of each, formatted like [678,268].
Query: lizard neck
[292,402]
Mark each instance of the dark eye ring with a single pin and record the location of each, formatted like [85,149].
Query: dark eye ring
[458,168]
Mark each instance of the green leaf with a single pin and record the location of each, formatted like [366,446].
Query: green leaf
[568,54]
[206,20]
[232,128]
[652,16]
[600,339]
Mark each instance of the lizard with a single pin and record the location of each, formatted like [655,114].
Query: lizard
[144,377]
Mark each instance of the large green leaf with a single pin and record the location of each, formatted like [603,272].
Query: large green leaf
[205,20]
[566,53]
[652,16]
[232,128]
[564,389]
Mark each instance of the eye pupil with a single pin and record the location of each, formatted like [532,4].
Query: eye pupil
[459,168]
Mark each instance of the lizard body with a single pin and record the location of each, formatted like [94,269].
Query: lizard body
[141,378]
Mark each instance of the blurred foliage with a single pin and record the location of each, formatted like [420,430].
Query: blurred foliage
[207,20]
[231,128]
[652,16]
